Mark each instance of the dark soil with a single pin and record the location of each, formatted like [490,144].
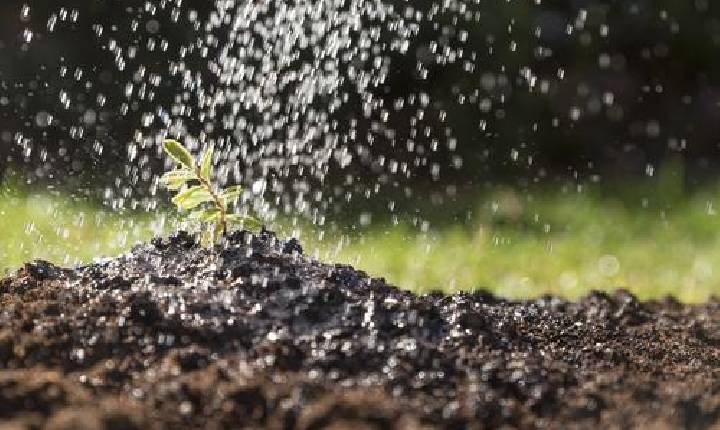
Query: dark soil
[173,335]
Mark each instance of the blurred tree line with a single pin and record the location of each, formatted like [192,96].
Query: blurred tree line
[586,89]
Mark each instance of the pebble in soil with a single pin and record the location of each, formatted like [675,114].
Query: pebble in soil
[253,332]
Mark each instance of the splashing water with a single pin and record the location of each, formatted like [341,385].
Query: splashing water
[313,104]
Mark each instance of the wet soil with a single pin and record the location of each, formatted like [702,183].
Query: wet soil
[254,334]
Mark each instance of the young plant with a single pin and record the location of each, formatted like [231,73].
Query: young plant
[197,193]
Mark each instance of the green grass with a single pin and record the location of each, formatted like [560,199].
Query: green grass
[514,245]
[57,228]
[564,244]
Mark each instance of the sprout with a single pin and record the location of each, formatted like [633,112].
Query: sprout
[203,200]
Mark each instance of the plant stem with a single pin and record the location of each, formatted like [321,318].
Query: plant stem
[216,198]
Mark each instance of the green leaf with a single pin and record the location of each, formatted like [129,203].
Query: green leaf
[206,215]
[175,179]
[192,197]
[179,153]
[247,221]
[206,162]
[231,193]
[174,185]
[178,174]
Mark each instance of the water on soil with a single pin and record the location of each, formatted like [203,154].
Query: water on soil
[254,334]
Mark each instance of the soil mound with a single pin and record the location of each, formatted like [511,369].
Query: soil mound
[254,334]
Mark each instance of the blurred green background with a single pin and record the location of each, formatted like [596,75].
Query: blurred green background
[649,237]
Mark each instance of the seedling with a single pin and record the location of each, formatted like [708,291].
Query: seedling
[197,193]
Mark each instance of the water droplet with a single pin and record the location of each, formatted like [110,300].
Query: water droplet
[608,265]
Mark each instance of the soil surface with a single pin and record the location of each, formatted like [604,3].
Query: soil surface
[254,334]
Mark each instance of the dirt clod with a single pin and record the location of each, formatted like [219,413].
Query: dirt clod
[255,334]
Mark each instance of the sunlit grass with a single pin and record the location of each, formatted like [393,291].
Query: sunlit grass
[58,229]
[560,244]
[563,244]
